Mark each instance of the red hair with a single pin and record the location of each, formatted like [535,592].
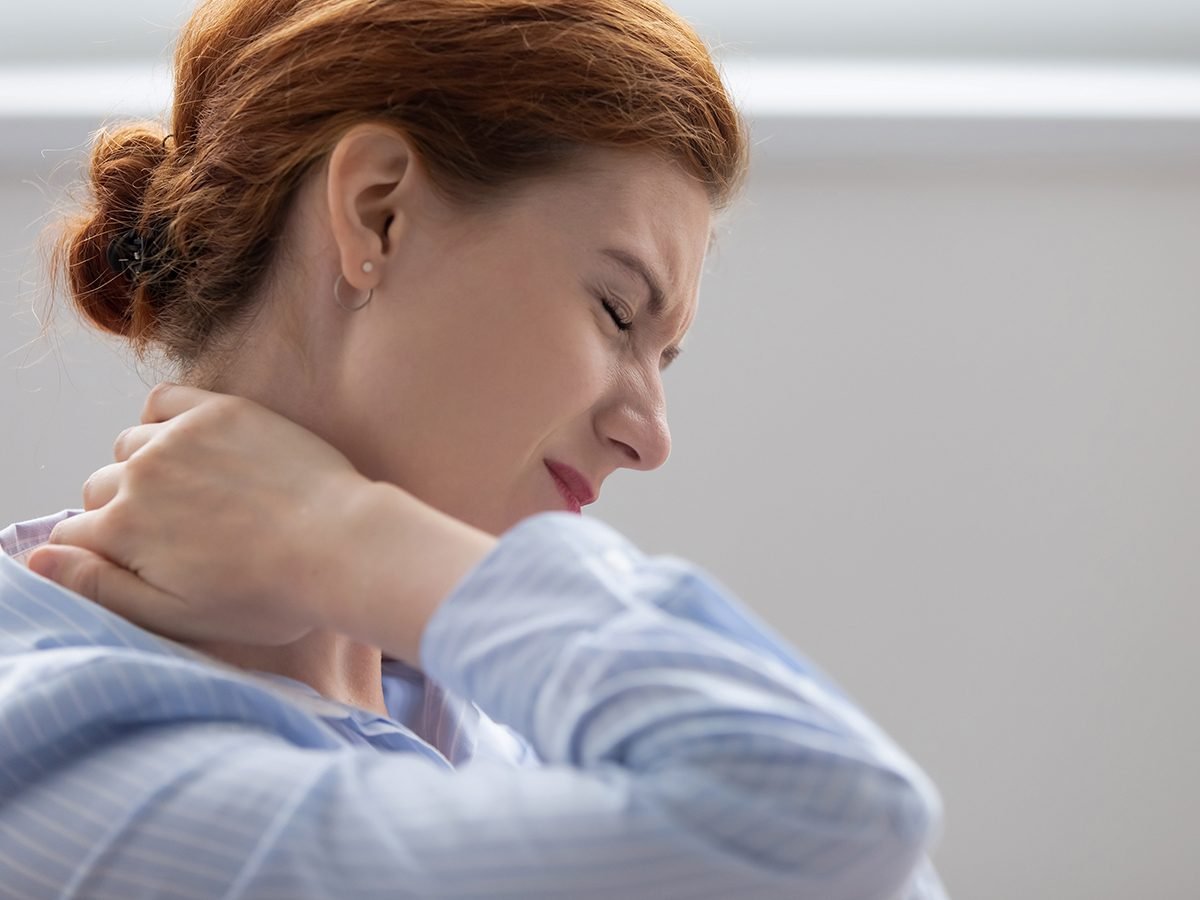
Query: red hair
[490,93]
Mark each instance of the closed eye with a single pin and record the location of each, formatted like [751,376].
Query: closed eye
[623,324]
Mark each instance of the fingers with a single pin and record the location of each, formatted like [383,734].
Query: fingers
[101,486]
[97,579]
[131,440]
[168,400]
[81,531]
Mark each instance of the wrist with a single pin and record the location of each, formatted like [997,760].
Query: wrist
[397,559]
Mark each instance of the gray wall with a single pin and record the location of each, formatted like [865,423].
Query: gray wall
[945,437]
[1065,29]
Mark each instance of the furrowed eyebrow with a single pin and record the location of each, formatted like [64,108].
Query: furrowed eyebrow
[635,264]
[658,298]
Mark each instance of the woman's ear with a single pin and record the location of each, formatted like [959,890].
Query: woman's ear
[370,180]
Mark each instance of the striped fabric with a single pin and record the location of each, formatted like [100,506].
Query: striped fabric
[633,731]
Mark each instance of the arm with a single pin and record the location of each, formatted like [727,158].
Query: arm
[681,760]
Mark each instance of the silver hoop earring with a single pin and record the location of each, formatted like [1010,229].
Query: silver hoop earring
[337,297]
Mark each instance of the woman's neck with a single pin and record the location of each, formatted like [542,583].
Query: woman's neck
[333,665]
[264,363]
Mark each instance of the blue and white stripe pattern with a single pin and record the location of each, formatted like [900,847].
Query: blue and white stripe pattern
[632,731]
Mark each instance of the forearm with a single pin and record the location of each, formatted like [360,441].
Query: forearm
[603,658]
[406,559]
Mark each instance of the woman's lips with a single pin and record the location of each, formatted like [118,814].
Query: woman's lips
[574,487]
[571,500]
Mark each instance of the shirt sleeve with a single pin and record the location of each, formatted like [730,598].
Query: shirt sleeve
[686,752]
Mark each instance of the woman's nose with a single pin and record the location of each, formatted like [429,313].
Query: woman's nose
[642,431]
[649,452]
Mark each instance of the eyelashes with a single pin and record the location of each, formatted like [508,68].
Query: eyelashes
[622,324]
[625,325]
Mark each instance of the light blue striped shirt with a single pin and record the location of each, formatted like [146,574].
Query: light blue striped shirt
[632,731]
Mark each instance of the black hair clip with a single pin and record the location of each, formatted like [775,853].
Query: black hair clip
[135,253]
[127,253]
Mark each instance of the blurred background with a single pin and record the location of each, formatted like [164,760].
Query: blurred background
[937,421]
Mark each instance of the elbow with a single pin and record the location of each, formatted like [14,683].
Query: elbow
[858,834]
[916,815]
[873,850]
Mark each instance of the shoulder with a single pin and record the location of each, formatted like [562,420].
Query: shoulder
[72,674]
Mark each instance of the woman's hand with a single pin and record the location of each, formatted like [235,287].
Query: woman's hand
[203,527]
[222,520]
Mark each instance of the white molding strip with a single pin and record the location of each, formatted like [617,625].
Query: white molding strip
[799,109]
[807,111]
[867,89]
[64,91]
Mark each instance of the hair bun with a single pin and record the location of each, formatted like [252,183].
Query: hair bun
[123,163]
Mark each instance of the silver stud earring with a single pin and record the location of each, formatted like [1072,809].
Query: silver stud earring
[337,297]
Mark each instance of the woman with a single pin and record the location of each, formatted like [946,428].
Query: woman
[428,260]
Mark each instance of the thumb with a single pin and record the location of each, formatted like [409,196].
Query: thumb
[97,579]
